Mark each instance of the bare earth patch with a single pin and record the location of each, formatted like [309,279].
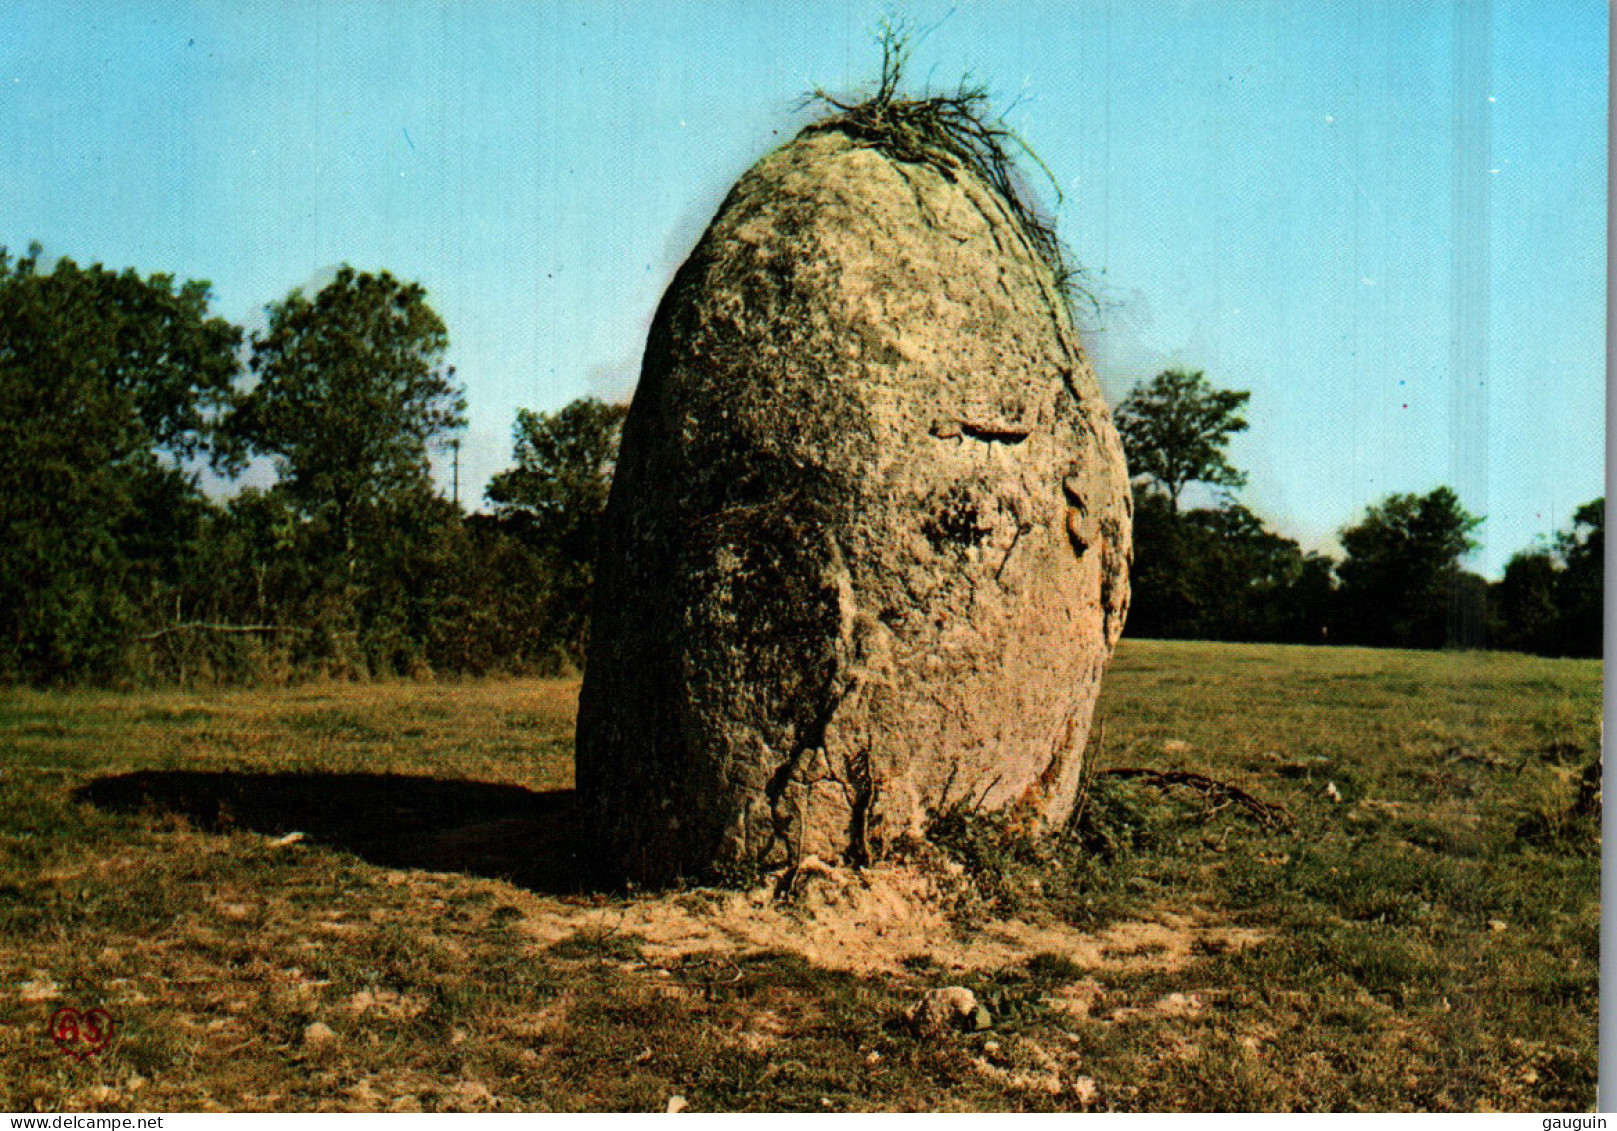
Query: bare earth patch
[871,922]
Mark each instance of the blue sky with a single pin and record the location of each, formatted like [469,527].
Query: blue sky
[1387,221]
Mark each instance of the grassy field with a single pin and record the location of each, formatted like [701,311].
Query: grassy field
[1426,936]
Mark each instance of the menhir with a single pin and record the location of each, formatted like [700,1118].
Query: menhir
[867,549]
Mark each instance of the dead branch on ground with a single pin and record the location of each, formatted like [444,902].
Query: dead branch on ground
[1218,794]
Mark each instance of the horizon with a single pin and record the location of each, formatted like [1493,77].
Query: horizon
[1388,226]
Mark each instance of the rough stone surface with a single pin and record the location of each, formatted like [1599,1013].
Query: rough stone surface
[866,553]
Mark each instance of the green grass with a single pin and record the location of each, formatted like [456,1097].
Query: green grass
[1429,942]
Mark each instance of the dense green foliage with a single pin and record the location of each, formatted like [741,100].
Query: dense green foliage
[352,391]
[551,503]
[1220,574]
[1401,582]
[1551,600]
[105,383]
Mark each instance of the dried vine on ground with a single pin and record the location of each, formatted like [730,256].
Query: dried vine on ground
[1218,794]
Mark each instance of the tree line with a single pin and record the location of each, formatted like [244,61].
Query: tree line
[117,391]
[1217,572]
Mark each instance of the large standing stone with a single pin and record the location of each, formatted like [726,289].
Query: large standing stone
[867,548]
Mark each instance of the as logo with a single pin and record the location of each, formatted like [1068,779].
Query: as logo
[81,1035]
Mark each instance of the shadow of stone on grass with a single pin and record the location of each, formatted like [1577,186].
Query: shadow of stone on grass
[482,829]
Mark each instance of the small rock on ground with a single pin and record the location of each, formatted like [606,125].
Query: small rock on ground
[945,1010]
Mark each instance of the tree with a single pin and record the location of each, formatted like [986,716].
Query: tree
[1551,600]
[1258,585]
[352,393]
[1164,596]
[1218,573]
[1214,573]
[107,382]
[1523,603]
[564,470]
[554,498]
[506,619]
[1581,593]
[1402,585]
[1175,429]
[1584,546]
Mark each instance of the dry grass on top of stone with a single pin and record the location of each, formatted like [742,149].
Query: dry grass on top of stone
[947,131]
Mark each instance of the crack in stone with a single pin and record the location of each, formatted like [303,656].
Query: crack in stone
[1016,537]
[988,432]
[856,778]
[996,433]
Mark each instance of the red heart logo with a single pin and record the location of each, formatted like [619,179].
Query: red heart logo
[81,1034]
